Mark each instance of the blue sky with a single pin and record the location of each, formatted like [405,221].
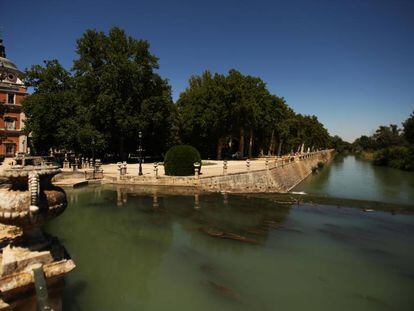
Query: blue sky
[351,63]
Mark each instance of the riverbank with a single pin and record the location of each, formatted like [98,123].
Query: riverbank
[366,155]
[260,175]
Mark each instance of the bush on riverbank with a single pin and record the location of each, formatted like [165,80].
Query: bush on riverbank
[389,146]
[366,155]
[400,157]
[179,160]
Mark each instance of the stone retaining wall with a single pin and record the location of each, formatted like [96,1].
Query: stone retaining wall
[281,175]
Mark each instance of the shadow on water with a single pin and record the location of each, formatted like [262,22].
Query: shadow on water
[125,233]
[159,248]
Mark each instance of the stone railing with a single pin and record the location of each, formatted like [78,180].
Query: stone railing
[256,179]
[279,175]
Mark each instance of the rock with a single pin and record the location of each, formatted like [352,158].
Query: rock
[228,235]
[224,291]
[17,259]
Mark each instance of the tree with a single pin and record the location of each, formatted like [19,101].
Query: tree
[219,111]
[408,129]
[391,146]
[51,103]
[205,112]
[112,94]
[387,136]
[339,144]
[121,94]
[364,143]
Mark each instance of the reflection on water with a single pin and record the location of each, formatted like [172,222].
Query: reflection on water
[143,249]
[353,178]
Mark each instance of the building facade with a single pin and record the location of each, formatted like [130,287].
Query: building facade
[12,91]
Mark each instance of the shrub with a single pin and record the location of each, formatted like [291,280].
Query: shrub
[400,157]
[179,160]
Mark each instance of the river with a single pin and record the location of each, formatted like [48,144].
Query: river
[352,178]
[152,249]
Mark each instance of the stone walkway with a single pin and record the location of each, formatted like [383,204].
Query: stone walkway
[211,168]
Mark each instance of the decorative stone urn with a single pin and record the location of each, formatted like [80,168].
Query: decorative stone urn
[28,198]
[33,264]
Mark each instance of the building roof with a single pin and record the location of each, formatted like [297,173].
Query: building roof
[5,63]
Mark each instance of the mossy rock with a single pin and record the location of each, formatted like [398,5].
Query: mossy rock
[180,159]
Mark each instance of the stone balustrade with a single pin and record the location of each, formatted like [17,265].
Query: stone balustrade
[277,174]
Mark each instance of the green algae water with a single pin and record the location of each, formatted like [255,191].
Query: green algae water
[147,249]
[353,178]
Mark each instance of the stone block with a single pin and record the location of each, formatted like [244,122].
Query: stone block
[17,259]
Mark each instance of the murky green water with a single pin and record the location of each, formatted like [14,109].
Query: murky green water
[137,249]
[353,178]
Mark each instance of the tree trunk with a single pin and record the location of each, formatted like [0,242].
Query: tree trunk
[271,145]
[121,149]
[251,144]
[279,150]
[241,143]
[219,148]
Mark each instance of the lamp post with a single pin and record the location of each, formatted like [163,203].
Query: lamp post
[140,153]
[93,149]
[93,157]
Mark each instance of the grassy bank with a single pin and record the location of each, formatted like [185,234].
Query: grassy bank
[366,155]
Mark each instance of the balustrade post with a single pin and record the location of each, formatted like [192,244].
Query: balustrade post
[120,170]
[124,167]
[156,170]
[225,167]
[197,170]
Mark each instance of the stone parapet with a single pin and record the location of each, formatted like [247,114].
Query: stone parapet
[279,175]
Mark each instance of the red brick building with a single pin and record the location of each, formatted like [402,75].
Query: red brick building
[12,92]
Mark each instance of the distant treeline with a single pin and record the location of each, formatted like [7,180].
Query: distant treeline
[390,145]
[113,91]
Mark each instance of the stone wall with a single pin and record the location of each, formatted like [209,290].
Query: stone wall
[281,176]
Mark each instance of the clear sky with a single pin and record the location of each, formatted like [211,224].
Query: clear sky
[350,62]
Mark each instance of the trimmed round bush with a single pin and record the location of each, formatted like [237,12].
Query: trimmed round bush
[180,159]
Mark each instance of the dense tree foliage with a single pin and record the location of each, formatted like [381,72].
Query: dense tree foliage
[236,114]
[50,108]
[408,129]
[391,146]
[340,145]
[112,93]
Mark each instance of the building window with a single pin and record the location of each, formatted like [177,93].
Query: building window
[10,99]
[10,149]
[9,123]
